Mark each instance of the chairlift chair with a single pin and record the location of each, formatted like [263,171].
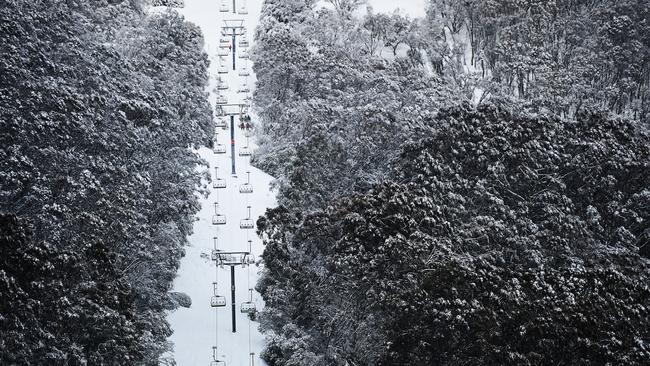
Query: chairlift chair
[247,223]
[247,259]
[222,99]
[219,149]
[218,183]
[221,84]
[243,55]
[243,43]
[218,219]
[218,301]
[248,307]
[244,72]
[243,10]
[221,123]
[246,187]
[222,70]
[244,89]
[244,151]
[224,8]
[223,52]
[215,358]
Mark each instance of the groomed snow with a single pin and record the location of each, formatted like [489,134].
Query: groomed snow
[195,332]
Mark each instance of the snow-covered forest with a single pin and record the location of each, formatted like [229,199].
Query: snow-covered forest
[467,188]
[464,185]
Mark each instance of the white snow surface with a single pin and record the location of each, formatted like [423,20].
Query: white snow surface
[198,328]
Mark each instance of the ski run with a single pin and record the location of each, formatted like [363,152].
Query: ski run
[203,334]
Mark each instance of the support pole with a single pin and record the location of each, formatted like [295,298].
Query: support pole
[232,144]
[234,47]
[234,304]
[234,9]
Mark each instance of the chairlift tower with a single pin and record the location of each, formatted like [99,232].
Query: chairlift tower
[231,110]
[233,259]
[233,28]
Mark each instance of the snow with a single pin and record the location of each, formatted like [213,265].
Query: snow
[195,329]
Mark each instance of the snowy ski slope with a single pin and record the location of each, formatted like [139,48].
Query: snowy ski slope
[195,332]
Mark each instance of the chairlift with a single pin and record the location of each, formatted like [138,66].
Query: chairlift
[221,99]
[218,301]
[243,55]
[224,8]
[221,123]
[219,149]
[223,52]
[244,72]
[243,10]
[222,84]
[243,42]
[248,307]
[244,151]
[247,259]
[219,183]
[244,88]
[217,218]
[246,187]
[215,358]
[247,223]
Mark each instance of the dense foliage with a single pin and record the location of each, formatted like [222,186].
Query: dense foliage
[562,56]
[328,107]
[100,105]
[414,229]
[502,239]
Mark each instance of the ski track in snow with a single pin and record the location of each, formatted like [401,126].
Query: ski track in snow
[194,328]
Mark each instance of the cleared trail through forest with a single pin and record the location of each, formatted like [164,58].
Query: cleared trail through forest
[198,328]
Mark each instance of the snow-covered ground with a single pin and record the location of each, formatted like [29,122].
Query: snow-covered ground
[198,328]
